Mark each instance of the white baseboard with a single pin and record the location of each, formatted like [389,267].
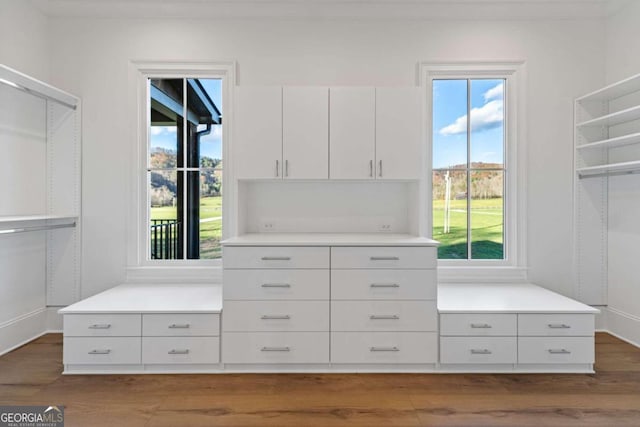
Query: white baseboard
[624,326]
[19,331]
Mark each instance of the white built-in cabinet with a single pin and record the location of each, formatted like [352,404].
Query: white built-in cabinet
[607,143]
[340,133]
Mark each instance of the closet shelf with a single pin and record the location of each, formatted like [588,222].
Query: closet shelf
[619,141]
[612,168]
[616,118]
[613,91]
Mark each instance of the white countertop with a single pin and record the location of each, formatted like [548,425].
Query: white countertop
[505,298]
[328,239]
[152,298]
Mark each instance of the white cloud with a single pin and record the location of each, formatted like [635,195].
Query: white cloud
[489,116]
[162,130]
[496,92]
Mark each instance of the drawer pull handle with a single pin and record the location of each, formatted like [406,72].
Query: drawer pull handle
[384,317]
[275,349]
[100,351]
[185,351]
[276,317]
[180,326]
[480,351]
[276,258]
[481,326]
[276,285]
[394,348]
[385,285]
[559,351]
[558,326]
[100,326]
[384,258]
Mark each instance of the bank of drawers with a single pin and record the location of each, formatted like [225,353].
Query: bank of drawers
[131,339]
[276,305]
[383,307]
[287,304]
[517,338]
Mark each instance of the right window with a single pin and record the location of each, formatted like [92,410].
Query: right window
[469,152]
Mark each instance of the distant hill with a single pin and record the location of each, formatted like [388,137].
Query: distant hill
[485,184]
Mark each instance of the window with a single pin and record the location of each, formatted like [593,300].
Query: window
[184,168]
[469,167]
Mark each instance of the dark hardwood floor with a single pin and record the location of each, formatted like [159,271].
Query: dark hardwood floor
[611,397]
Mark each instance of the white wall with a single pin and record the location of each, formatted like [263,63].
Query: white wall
[90,59]
[623,60]
[24,43]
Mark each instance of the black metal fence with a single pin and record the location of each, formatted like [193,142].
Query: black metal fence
[165,239]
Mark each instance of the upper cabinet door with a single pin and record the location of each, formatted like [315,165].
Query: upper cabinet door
[258,138]
[352,133]
[399,147]
[305,132]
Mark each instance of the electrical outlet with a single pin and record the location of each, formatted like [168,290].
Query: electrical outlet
[385,227]
[267,225]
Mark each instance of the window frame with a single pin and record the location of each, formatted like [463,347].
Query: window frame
[513,266]
[138,250]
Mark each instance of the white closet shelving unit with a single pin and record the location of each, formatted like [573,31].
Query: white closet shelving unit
[607,142]
[40,187]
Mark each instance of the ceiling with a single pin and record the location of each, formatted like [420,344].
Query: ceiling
[328,9]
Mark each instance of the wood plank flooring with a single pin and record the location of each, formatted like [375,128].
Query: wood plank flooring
[611,397]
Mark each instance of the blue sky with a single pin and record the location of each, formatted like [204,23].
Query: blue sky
[210,145]
[450,121]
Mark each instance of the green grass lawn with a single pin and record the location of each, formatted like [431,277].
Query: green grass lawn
[210,229]
[486,229]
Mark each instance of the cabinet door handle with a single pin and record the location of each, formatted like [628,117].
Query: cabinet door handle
[558,326]
[384,317]
[480,351]
[179,326]
[277,168]
[185,351]
[100,326]
[275,349]
[394,348]
[275,317]
[276,285]
[481,326]
[385,285]
[384,258]
[286,168]
[559,351]
[380,169]
[276,258]
[105,351]
[371,168]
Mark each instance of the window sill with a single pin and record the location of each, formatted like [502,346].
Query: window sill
[481,274]
[174,274]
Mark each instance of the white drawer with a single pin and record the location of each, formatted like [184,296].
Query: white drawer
[180,350]
[373,316]
[384,347]
[556,350]
[101,350]
[275,257]
[383,284]
[102,325]
[481,350]
[276,347]
[301,316]
[384,257]
[556,325]
[181,324]
[276,284]
[478,324]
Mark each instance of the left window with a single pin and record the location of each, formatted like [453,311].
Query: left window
[184,168]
